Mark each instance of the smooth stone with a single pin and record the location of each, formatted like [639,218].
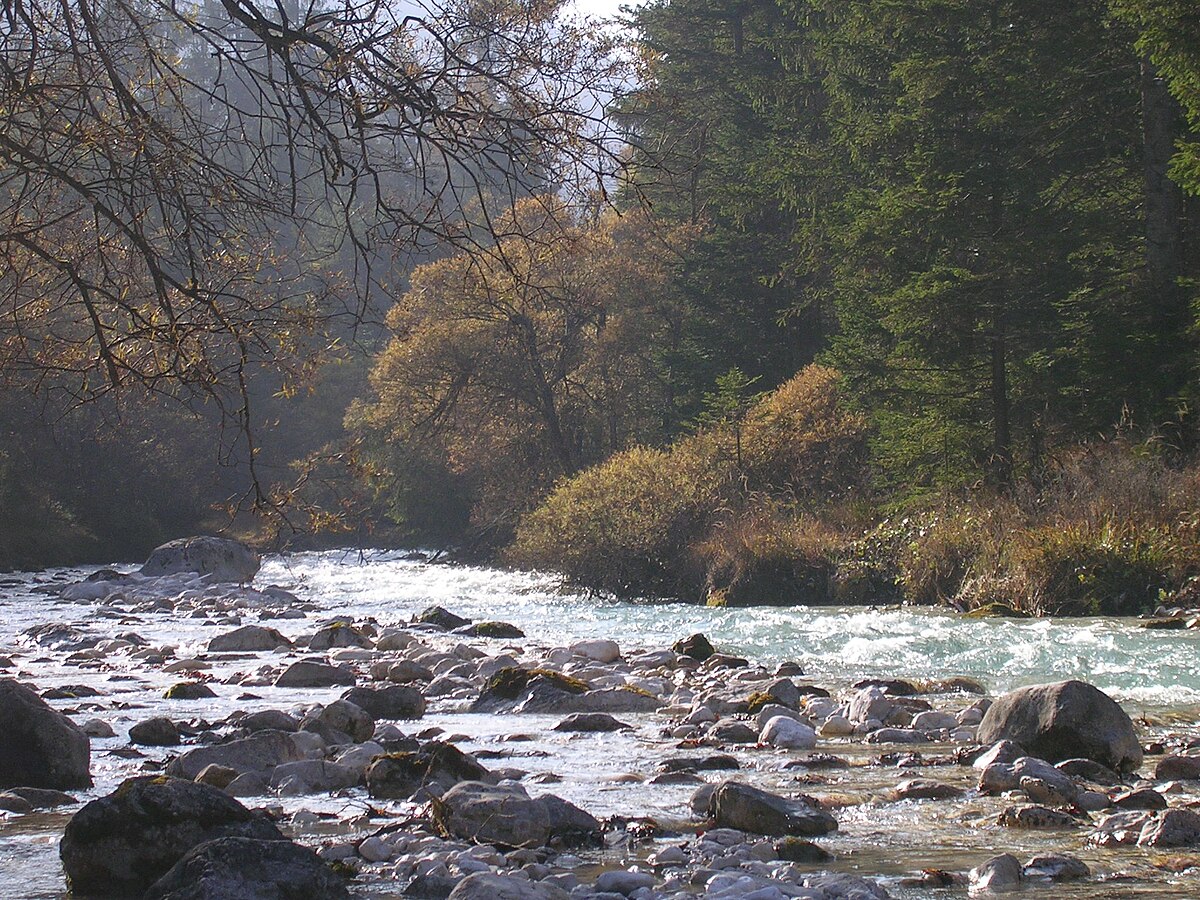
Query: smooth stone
[740,806]
[39,746]
[306,674]
[505,814]
[791,734]
[340,718]
[248,639]
[591,722]
[486,886]
[259,752]
[222,559]
[158,731]
[393,701]
[601,651]
[999,874]
[249,869]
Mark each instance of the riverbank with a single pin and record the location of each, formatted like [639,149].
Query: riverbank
[626,773]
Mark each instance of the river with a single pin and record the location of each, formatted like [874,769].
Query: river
[1152,673]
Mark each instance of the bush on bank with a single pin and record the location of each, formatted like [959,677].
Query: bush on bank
[1109,527]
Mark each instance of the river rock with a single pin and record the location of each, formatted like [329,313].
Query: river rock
[507,816]
[248,869]
[269,720]
[219,558]
[248,639]
[1064,720]
[338,721]
[339,634]
[869,703]
[1171,828]
[441,618]
[431,770]
[124,842]
[39,746]
[1178,768]
[1036,817]
[502,630]
[696,647]
[737,805]
[42,798]
[1056,867]
[617,881]
[313,776]
[158,731]
[782,731]
[1037,778]
[998,875]
[591,722]
[306,674]
[599,650]
[926,789]
[189,690]
[394,701]
[259,752]
[486,886]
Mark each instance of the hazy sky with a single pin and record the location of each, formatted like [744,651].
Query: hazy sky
[604,7]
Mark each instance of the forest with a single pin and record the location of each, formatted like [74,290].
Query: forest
[736,301]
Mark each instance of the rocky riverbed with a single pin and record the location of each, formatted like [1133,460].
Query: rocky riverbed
[417,748]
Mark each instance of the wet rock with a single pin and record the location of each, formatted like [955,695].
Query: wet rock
[1036,817]
[1172,828]
[925,789]
[216,776]
[998,875]
[1140,799]
[1178,768]
[733,732]
[1120,829]
[869,703]
[98,728]
[486,886]
[502,630]
[737,805]
[10,802]
[512,686]
[339,635]
[58,636]
[715,763]
[248,639]
[124,842]
[623,883]
[505,815]
[441,618]
[313,776]
[893,686]
[158,731]
[1065,720]
[406,671]
[338,721]
[257,753]
[896,736]
[1037,778]
[798,850]
[189,690]
[696,647]
[431,770]
[42,798]
[307,673]
[782,731]
[1089,770]
[219,558]
[39,746]
[248,869]
[398,701]
[269,720]
[1056,867]
[591,722]
[1003,752]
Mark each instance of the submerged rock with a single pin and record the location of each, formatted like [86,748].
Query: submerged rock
[737,805]
[248,869]
[124,842]
[1065,720]
[39,746]
[219,558]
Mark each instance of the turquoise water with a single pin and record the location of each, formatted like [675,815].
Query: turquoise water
[1148,670]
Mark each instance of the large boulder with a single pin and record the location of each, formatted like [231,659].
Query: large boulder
[248,638]
[39,746]
[219,558]
[259,752]
[737,805]
[396,701]
[505,815]
[1065,720]
[248,869]
[340,722]
[124,842]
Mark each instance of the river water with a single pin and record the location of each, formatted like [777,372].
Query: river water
[1152,673]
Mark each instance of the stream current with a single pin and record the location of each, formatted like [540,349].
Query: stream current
[1153,673]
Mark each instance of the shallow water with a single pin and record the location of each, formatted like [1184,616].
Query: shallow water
[1153,673]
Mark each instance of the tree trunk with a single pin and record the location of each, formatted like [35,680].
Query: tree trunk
[1164,199]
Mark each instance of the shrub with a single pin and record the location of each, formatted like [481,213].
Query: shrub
[626,526]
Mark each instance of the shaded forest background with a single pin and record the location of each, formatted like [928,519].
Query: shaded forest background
[795,301]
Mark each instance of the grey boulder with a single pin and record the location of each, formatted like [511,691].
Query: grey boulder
[248,869]
[260,751]
[395,701]
[248,639]
[219,558]
[505,815]
[485,886]
[307,673]
[737,805]
[39,746]
[124,842]
[1065,720]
